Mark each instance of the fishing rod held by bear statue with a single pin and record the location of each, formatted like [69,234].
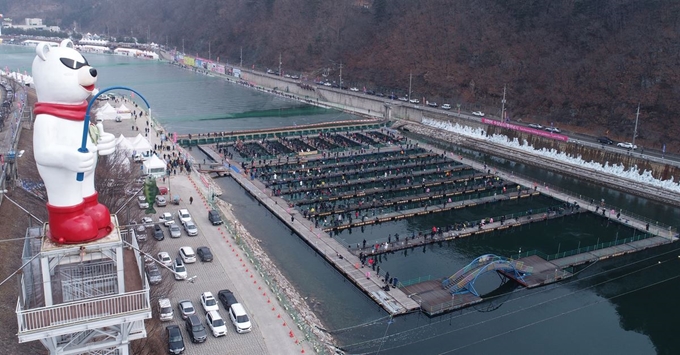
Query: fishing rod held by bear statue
[86,124]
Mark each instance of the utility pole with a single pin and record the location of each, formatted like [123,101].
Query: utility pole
[410,80]
[148,34]
[341,75]
[241,57]
[280,64]
[637,116]
[183,46]
[503,105]
[209,54]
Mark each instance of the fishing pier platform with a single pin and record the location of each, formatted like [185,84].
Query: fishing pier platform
[322,181]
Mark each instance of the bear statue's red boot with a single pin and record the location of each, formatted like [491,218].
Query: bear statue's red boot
[70,225]
[99,213]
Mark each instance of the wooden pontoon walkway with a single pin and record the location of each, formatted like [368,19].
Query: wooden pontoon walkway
[395,301]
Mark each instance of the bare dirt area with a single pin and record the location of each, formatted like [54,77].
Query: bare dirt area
[12,231]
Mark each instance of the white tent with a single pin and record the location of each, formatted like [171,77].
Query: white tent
[106,113]
[122,143]
[123,109]
[154,166]
[141,144]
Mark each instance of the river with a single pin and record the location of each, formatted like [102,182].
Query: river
[622,306]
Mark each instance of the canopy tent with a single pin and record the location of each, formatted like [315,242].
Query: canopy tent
[123,109]
[106,113]
[141,144]
[154,166]
[123,143]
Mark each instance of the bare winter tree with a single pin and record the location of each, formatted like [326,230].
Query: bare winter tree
[117,182]
[154,343]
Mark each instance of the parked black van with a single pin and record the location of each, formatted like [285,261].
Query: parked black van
[214,217]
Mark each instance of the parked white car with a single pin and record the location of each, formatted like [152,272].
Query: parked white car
[239,318]
[166,219]
[353,89]
[141,201]
[183,215]
[187,254]
[478,113]
[190,228]
[216,323]
[165,309]
[446,107]
[180,269]
[165,259]
[147,222]
[209,302]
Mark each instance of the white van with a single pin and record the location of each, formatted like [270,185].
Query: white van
[239,318]
[165,309]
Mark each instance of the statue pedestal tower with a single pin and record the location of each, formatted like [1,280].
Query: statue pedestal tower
[83,298]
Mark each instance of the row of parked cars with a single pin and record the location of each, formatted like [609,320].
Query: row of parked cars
[167,219]
[185,256]
[193,325]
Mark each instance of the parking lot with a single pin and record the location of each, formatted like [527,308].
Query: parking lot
[271,326]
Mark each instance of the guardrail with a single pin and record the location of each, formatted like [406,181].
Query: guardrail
[81,311]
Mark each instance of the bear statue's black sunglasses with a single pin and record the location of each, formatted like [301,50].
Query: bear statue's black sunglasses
[72,64]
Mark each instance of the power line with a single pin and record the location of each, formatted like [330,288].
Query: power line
[561,285]
[19,269]
[561,314]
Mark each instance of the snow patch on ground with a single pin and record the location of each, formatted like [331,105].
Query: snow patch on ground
[632,173]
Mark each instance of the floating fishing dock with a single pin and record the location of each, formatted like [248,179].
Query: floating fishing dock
[322,180]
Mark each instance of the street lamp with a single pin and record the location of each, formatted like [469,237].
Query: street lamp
[637,116]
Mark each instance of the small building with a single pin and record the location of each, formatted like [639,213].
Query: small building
[154,166]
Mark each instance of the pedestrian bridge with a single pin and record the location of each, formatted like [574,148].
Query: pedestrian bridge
[463,281]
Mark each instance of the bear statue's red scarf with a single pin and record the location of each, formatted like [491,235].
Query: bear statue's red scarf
[69,112]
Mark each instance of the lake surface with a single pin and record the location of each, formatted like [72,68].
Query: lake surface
[622,306]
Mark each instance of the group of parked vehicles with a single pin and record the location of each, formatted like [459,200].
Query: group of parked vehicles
[214,323]
[167,219]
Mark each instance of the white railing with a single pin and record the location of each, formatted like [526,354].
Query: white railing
[82,311]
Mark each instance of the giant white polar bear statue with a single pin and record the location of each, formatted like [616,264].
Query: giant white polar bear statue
[63,81]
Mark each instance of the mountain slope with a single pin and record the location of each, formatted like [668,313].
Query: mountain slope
[582,64]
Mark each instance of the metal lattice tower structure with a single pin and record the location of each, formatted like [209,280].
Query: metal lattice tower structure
[89,298]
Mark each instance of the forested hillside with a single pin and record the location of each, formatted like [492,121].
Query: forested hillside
[582,64]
